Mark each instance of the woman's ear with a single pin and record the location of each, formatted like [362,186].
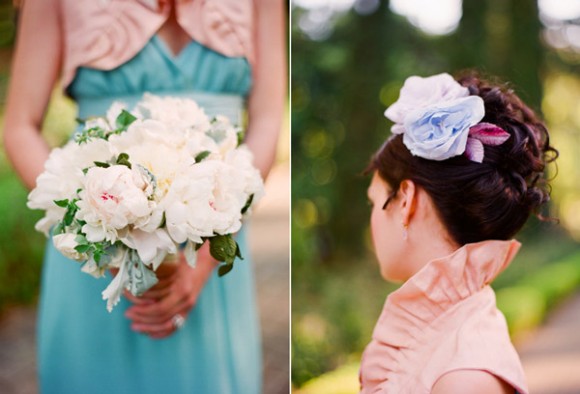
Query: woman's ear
[407,200]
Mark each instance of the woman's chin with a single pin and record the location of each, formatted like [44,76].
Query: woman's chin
[393,276]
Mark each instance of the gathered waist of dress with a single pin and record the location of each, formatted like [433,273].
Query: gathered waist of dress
[229,105]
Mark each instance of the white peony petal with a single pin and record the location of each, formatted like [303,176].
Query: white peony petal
[190,254]
[112,294]
[149,245]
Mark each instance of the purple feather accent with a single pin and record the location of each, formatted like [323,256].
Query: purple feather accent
[489,134]
[474,150]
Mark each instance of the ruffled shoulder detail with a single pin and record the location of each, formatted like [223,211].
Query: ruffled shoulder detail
[439,285]
[224,26]
[444,318]
[104,34]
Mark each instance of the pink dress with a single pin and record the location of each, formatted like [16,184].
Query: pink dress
[444,319]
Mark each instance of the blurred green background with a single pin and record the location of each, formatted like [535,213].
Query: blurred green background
[349,60]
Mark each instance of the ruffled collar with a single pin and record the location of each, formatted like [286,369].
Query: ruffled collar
[439,286]
[155,5]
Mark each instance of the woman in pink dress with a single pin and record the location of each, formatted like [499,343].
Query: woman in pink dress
[459,177]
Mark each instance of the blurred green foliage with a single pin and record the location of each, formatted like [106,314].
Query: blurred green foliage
[334,311]
[20,245]
[7,26]
[342,81]
[525,303]
[343,380]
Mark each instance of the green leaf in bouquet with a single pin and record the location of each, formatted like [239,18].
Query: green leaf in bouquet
[122,157]
[80,239]
[123,160]
[224,269]
[61,203]
[98,252]
[248,203]
[67,219]
[124,119]
[81,138]
[241,136]
[70,214]
[238,252]
[82,248]
[163,221]
[98,132]
[202,155]
[80,121]
[102,164]
[94,132]
[223,248]
[58,229]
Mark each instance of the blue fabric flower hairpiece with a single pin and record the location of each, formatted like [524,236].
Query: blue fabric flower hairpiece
[439,119]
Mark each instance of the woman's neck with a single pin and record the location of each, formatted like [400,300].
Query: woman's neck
[172,33]
[427,239]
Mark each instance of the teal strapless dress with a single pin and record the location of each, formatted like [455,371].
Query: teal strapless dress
[83,348]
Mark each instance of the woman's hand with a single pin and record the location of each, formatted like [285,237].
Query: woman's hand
[175,294]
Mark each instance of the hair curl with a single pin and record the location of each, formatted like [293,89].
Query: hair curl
[480,201]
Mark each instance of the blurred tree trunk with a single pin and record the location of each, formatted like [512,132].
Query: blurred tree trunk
[502,38]
[370,44]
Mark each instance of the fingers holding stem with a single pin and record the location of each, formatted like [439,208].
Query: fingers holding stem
[154,312]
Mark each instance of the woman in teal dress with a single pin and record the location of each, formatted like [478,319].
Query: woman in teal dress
[139,348]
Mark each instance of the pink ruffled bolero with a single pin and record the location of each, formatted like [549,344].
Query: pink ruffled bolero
[443,319]
[104,34]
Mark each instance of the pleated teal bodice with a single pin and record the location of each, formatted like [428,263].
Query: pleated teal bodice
[85,349]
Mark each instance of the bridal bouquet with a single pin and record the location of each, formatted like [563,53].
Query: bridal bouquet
[133,187]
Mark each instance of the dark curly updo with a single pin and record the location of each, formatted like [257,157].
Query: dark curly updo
[481,201]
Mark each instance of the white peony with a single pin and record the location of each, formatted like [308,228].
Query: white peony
[241,159]
[176,113]
[66,244]
[161,160]
[152,247]
[112,198]
[224,134]
[62,177]
[187,208]
[206,199]
[150,131]
[201,142]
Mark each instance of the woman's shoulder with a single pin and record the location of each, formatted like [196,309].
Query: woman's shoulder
[471,381]
[477,352]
